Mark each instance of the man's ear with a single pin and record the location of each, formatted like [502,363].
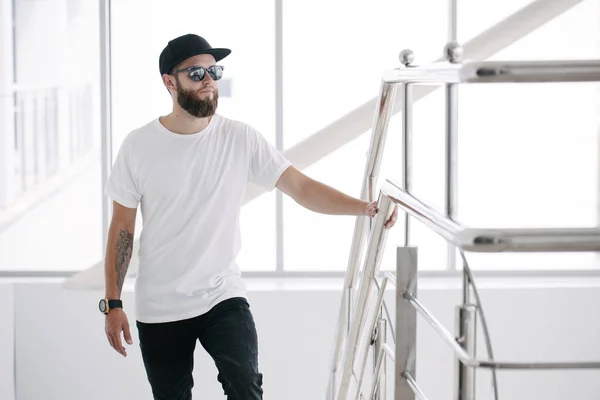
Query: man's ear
[169,82]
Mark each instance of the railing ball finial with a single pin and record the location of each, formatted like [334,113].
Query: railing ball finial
[453,52]
[407,57]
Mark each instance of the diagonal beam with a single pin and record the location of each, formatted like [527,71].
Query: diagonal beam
[359,120]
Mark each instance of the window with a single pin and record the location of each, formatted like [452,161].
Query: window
[317,242]
[534,140]
[50,184]
[329,71]
[529,152]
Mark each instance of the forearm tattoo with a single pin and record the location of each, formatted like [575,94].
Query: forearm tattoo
[123,254]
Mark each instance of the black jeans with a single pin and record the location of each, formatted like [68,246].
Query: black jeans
[227,332]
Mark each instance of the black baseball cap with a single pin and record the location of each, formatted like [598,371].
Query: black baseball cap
[184,47]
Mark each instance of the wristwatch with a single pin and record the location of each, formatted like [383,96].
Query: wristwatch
[106,305]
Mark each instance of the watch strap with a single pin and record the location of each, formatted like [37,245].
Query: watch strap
[115,303]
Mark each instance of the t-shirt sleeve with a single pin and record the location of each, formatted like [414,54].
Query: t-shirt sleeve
[267,163]
[122,186]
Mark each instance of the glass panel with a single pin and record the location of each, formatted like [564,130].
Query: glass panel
[330,69]
[50,201]
[317,242]
[326,78]
[529,152]
[540,154]
[246,92]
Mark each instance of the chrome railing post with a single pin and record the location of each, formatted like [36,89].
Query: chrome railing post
[379,345]
[453,53]
[406,57]
[362,225]
[360,335]
[466,336]
[406,321]
[380,340]
[384,352]
[451,172]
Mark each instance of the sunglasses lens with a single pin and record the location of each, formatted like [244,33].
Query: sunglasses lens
[216,72]
[197,74]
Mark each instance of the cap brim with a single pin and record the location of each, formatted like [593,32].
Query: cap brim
[218,54]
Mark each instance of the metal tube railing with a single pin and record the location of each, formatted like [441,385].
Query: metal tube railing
[451,164]
[497,72]
[432,218]
[494,240]
[474,362]
[530,240]
[383,113]
[389,277]
[358,335]
[407,303]
[407,139]
[351,333]
[384,351]
[380,390]
[467,239]
[466,334]
[419,395]
[499,240]
[441,330]
[373,327]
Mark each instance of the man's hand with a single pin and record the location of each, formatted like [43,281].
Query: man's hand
[116,322]
[372,210]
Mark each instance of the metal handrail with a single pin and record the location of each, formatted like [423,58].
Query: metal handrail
[448,73]
[362,328]
[497,72]
[387,351]
[474,362]
[435,220]
[388,276]
[494,240]
[412,383]
[383,113]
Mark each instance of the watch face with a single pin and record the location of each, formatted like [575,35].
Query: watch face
[102,305]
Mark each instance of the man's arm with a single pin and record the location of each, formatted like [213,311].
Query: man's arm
[119,248]
[324,199]
[317,196]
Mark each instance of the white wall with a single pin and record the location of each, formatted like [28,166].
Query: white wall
[62,352]
[7,383]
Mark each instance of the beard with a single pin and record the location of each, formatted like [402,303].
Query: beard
[194,105]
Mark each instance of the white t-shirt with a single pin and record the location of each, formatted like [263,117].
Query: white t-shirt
[190,189]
